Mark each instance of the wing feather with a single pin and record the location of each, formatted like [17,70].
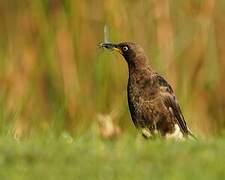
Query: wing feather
[171,103]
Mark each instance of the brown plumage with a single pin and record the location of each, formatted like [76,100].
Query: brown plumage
[152,102]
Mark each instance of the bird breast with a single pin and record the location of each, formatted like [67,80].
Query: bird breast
[141,89]
[140,95]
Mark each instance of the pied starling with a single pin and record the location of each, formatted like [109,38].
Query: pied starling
[152,102]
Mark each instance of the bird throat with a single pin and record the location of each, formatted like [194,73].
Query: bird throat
[138,64]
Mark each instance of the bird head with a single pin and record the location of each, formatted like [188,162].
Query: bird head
[133,53]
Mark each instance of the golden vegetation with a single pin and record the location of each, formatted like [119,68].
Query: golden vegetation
[53,76]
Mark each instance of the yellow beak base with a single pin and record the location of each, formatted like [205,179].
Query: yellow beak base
[117,49]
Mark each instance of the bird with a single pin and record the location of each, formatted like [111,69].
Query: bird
[153,106]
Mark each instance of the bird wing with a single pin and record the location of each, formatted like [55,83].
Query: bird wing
[170,102]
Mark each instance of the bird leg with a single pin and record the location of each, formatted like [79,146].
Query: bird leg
[146,133]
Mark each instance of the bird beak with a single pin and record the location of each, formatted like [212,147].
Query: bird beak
[111,46]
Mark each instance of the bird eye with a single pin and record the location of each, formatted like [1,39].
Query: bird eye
[125,48]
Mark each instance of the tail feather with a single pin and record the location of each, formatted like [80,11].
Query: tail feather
[190,134]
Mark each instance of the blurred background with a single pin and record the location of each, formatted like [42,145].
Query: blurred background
[54,78]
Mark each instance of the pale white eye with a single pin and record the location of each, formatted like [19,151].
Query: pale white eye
[125,48]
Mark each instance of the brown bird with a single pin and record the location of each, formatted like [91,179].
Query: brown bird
[152,102]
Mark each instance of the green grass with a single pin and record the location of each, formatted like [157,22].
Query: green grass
[89,157]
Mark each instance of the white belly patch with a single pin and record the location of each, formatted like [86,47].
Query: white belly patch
[177,134]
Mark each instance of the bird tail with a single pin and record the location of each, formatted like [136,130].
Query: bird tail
[190,134]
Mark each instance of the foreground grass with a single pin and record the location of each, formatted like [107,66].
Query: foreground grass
[89,157]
